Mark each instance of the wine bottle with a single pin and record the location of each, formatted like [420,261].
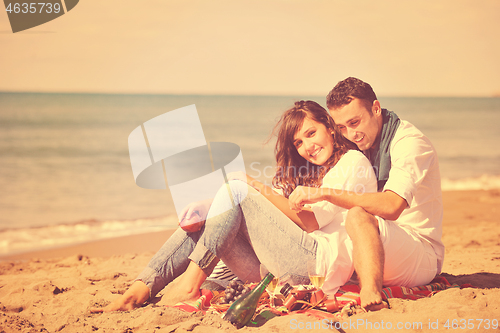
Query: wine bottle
[243,309]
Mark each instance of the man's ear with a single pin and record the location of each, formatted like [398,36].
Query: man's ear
[376,108]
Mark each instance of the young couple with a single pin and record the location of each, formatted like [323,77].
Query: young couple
[332,208]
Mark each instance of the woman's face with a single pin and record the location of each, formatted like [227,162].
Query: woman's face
[314,142]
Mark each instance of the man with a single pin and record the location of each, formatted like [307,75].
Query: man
[396,232]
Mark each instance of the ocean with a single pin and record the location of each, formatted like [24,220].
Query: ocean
[66,177]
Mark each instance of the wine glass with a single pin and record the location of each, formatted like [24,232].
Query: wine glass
[317,273]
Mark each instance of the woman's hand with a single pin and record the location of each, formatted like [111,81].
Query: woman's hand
[193,216]
[303,195]
[199,207]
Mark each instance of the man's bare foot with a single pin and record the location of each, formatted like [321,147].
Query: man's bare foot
[372,300]
[134,297]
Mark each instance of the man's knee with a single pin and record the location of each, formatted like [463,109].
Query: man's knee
[359,219]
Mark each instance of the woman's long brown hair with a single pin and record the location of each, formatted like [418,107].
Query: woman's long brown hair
[293,170]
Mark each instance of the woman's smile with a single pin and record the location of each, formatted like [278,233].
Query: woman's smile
[316,152]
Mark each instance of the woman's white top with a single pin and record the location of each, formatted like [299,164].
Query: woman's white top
[353,173]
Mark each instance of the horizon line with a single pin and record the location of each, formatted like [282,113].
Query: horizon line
[229,94]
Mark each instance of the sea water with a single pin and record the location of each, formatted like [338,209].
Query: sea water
[65,174]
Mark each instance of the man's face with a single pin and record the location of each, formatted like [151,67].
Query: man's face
[357,124]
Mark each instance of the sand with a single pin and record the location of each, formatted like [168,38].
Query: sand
[51,291]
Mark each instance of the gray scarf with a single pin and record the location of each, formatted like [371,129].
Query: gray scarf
[380,155]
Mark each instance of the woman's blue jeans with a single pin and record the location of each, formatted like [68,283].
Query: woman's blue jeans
[243,236]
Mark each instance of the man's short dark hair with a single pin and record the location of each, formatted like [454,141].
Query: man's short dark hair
[343,92]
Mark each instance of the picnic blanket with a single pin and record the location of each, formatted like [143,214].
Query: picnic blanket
[347,298]
[350,293]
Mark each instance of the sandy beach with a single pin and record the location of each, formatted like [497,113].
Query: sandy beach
[52,290]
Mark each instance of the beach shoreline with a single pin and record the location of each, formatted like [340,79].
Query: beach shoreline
[53,289]
[477,200]
[104,248]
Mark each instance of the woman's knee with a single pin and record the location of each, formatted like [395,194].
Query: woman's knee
[239,190]
[228,196]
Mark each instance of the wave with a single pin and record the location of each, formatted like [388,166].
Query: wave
[20,240]
[484,182]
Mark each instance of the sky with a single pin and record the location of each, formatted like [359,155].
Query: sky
[258,47]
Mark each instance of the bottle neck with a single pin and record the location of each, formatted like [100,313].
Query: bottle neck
[265,281]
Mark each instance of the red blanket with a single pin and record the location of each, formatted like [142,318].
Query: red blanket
[346,296]
[350,293]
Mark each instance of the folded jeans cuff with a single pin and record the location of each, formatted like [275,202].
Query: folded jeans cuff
[203,257]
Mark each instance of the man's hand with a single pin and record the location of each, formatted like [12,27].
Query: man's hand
[303,195]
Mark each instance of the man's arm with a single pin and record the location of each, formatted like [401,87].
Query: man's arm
[387,204]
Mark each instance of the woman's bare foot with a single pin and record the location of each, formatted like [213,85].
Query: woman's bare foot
[134,297]
[372,300]
[187,287]
[179,292]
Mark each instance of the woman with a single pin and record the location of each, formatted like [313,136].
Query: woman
[262,228]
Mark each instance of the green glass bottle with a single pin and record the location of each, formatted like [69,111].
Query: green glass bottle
[243,309]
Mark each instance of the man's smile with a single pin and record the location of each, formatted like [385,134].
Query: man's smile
[359,140]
